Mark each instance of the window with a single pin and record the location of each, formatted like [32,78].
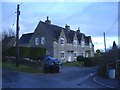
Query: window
[83,54]
[62,41]
[82,43]
[75,42]
[62,54]
[47,52]
[36,41]
[75,54]
[42,40]
[87,54]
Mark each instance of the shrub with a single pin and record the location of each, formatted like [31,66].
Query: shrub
[102,71]
[80,59]
[89,62]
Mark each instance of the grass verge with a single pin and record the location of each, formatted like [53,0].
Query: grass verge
[22,68]
[76,63]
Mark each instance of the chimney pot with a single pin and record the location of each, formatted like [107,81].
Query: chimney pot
[48,21]
[78,31]
[67,27]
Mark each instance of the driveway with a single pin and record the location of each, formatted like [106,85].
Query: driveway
[69,77]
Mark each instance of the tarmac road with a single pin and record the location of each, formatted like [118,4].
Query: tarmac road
[69,77]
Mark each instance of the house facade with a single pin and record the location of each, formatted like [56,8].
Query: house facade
[62,43]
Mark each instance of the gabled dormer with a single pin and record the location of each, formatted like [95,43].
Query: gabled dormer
[62,38]
[75,40]
[90,42]
[83,41]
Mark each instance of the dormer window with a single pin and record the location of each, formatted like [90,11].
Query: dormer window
[82,43]
[75,42]
[42,40]
[62,41]
[36,41]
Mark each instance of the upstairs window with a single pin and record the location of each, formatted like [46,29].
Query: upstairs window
[75,42]
[62,41]
[42,40]
[36,41]
[82,43]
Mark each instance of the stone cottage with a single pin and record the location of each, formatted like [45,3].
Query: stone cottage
[62,43]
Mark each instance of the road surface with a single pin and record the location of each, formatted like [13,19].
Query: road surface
[69,77]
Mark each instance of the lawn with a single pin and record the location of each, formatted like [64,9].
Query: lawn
[76,63]
[22,68]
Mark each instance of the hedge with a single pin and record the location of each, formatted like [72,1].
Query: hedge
[27,52]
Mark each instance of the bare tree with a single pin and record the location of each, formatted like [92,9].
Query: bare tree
[7,33]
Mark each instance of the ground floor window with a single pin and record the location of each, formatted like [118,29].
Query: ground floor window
[75,54]
[86,54]
[62,54]
[83,54]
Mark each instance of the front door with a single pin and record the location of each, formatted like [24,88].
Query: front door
[69,56]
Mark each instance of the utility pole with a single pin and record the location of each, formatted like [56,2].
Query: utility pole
[17,37]
[104,41]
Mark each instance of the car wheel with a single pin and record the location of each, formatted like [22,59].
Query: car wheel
[59,68]
[46,69]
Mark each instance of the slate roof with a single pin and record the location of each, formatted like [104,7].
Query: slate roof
[79,36]
[87,40]
[55,31]
[25,38]
[52,29]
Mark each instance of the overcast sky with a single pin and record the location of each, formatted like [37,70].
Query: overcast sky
[93,18]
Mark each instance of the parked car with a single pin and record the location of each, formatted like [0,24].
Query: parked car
[52,65]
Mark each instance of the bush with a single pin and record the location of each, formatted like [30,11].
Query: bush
[89,62]
[102,71]
[80,59]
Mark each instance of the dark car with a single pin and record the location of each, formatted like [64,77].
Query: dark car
[52,65]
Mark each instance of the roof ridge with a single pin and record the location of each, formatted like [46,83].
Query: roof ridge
[57,26]
[28,33]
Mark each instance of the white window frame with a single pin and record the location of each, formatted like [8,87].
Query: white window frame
[42,40]
[86,54]
[74,54]
[62,42]
[83,54]
[83,43]
[62,52]
[75,42]
[36,41]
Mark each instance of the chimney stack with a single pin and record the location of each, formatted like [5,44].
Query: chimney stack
[67,27]
[48,21]
[78,31]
